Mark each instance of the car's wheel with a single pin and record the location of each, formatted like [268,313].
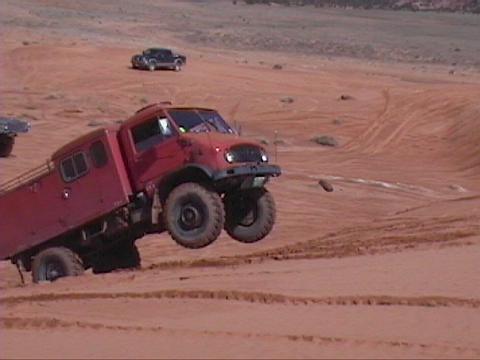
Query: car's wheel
[54,263]
[177,66]
[124,256]
[6,145]
[152,65]
[193,215]
[250,214]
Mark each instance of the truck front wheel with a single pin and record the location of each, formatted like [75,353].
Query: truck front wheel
[56,262]
[193,215]
[250,214]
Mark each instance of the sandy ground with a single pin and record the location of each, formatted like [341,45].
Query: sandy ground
[384,266]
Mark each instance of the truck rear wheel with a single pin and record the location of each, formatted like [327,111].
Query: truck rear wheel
[56,262]
[6,145]
[250,214]
[193,215]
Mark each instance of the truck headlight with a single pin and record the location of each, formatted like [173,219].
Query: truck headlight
[229,157]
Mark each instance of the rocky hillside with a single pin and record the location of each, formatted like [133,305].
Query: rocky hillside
[414,5]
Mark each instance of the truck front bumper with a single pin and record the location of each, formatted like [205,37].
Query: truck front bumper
[250,171]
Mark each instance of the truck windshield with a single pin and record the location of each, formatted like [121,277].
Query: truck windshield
[189,120]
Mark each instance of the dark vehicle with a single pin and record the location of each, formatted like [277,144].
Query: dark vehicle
[9,128]
[178,169]
[158,58]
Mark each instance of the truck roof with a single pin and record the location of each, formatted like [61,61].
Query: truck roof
[139,116]
[151,109]
[72,145]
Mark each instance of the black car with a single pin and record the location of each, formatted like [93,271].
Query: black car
[9,128]
[158,58]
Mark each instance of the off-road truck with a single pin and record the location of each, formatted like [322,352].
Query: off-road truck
[9,128]
[178,169]
[158,58]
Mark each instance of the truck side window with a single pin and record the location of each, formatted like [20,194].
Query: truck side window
[151,133]
[74,167]
[68,171]
[98,154]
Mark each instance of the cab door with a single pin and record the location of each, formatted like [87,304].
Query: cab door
[157,151]
[166,58]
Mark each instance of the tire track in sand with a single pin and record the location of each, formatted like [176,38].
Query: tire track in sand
[252,297]
[402,114]
[390,236]
[52,323]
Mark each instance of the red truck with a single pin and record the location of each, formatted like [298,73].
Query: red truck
[179,169]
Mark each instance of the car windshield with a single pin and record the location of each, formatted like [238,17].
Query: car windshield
[190,120]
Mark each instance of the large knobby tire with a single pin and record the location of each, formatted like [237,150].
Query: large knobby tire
[193,215]
[250,214]
[123,256]
[6,145]
[56,262]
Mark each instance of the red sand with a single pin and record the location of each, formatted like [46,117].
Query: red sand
[384,266]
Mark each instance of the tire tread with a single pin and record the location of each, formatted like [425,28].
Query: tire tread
[215,202]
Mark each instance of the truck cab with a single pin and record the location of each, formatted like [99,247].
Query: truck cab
[162,142]
[167,149]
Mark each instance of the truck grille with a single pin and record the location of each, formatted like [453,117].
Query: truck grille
[246,154]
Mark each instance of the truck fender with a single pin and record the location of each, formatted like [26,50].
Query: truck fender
[188,173]
[205,169]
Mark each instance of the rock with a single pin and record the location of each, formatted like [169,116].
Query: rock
[53,97]
[73,111]
[325,140]
[95,123]
[287,100]
[458,188]
[337,121]
[277,67]
[325,185]
[345,97]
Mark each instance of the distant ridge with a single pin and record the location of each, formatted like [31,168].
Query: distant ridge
[472,6]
